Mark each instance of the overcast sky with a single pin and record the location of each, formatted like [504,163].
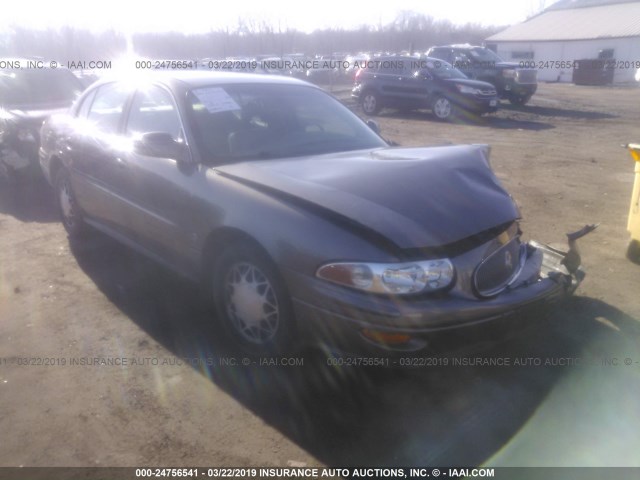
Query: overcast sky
[194,16]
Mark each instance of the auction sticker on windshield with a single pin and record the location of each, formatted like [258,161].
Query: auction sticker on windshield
[216,99]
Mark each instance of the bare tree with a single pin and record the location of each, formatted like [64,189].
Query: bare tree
[409,31]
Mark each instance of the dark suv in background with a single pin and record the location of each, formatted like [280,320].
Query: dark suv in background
[410,83]
[512,82]
[27,97]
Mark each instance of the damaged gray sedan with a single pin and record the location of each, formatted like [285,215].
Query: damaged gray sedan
[301,222]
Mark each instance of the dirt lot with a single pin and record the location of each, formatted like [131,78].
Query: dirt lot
[560,156]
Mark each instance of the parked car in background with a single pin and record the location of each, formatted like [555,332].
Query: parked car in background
[327,70]
[353,65]
[300,221]
[512,82]
[27,97]
[276,66]
[408,83]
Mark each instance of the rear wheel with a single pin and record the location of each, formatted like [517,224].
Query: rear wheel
[370,103]
[70,212]
[251,301]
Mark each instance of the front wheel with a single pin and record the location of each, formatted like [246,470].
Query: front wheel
[251,301]
[443,108]
[370,103]
[70,212]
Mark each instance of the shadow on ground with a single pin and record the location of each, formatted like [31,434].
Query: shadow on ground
[28,199]
[543,111]
[488,121]
[346,416]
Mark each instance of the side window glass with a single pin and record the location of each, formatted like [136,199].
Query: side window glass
[107,106]
[393,67]
[409,66]
[463,59]
[441,54]
[153,110]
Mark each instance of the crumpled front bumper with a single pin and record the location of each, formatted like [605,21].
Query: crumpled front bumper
[343,316]
[552,267]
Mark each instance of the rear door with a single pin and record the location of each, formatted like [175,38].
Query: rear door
[392,79]
[417,84]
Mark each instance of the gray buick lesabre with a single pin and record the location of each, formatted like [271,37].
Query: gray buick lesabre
[302,223]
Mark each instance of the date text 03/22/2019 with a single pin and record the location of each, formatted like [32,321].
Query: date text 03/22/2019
[315,472]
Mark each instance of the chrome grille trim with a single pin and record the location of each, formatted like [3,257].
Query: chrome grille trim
[522,258]
[526,77]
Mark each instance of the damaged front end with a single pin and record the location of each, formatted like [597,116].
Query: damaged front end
[499,283]
[564,266]
[502,269]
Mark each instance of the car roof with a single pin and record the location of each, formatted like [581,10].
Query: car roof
[461,46]
[189,79]
[397,58]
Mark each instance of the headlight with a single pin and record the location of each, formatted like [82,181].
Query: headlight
[509,73]
[467,89]
[393,278]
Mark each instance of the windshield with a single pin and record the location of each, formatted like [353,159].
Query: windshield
[484,55]
[443,70]
[38,87]
[254,121]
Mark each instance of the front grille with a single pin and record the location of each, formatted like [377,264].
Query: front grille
[488,93]
[498,269]
[527,76]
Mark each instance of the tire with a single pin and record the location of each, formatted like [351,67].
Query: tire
[633,251]
[370,103]
[443,108]
[70,213]
[251,301]
[520,100]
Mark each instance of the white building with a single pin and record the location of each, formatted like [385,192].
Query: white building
[572,30]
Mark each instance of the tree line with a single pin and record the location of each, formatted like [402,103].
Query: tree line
[410,31]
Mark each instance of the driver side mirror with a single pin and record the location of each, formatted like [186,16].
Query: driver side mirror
[162,145]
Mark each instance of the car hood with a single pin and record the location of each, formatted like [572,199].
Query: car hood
[414,197]
[509,65]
